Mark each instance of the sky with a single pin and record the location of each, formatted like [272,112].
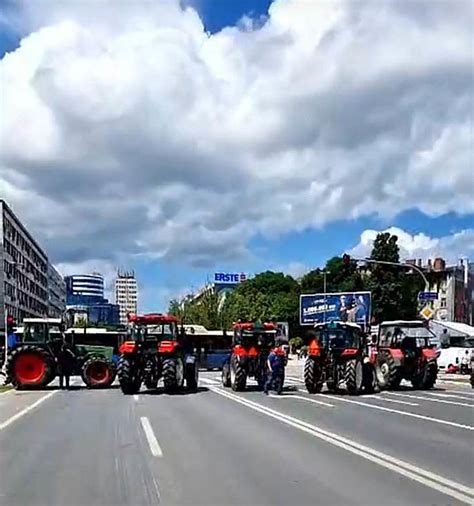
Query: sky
[183,138]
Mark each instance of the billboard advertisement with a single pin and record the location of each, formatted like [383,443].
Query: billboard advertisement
[345,306]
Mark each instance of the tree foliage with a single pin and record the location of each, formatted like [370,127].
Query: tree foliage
[267,296]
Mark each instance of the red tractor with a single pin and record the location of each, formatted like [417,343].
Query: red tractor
[156,349]
[338,356]
[251,345]
[406,351]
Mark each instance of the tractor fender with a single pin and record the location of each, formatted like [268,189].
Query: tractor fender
[397,356]
[429,354]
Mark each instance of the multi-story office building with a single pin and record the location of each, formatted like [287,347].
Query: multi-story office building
[56,293]
[126,294]
[84,289]
[23,270]
[85,298]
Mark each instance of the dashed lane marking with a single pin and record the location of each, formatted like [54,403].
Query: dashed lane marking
[428,399]
[300,397]
[403,413]
[151,438]
[384,399]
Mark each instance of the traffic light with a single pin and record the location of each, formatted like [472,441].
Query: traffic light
[11,324]
[346,259]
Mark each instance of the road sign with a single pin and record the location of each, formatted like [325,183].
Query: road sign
[427,296]
[427,313]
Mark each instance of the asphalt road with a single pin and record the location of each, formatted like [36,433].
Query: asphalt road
[217,447]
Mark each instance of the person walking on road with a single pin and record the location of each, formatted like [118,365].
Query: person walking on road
[66,359]
[275,364]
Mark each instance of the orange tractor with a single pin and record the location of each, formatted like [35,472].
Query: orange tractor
[156,349]
[338,356]
[251,345]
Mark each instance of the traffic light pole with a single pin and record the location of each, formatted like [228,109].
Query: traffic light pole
[397,264]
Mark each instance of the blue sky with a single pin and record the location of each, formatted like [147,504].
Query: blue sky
[305,241]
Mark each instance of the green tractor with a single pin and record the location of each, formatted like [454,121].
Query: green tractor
[33,361]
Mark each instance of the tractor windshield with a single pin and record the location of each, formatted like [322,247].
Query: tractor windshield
[338,338]
[165,331]
[41,332]
[397,335]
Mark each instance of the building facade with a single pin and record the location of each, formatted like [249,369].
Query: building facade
[56,293]
[454,285]
[85,301]
[126,294]
[84,289]
[23,271]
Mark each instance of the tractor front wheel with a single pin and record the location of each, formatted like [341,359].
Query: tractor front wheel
[427,378]
[129,379]
[30,367]
[226,375]
[313,376]
[98,372]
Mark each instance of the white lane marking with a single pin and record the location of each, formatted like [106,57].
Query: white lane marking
[208,381]
[408,396]
[451,396]
[151,438]
[300,397]
[383,399]
[26,410]
[432,480]
[404,413]
[136,398]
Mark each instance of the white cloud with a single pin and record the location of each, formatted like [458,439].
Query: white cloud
[140,134]
[450,247]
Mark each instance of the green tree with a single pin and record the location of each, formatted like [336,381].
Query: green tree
[269,295]
[340,277]
[386,282]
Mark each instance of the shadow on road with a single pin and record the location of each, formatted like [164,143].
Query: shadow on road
[161,391]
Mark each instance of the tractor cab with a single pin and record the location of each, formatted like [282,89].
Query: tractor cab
[152,329]
[405,351]
[261,335]
[408,336]
[339,338]
[41,330]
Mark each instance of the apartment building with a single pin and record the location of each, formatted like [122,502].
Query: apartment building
[126,294]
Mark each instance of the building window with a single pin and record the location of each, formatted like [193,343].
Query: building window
[443,303]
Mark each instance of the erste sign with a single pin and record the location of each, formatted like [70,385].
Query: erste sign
[227,277]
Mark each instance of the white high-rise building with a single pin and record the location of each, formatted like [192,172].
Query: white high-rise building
[126,294]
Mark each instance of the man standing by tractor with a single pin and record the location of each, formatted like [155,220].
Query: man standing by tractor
[66,359]
[276,367]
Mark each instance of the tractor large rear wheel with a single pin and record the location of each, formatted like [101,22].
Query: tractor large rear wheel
[173,374]
[192,376]
[313,376]
[129,379]
[389,375]
[354,376]
[98,372]
[29,366]
[238,375]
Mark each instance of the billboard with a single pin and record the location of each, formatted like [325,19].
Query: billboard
[345,306]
